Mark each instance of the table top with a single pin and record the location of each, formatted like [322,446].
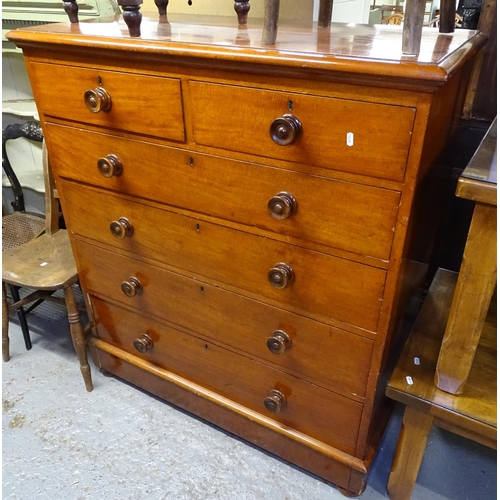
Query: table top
[412,381]
[478,181]
[353,48]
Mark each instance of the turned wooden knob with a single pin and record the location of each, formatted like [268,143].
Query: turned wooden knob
[280,275]
[131,287]
[285,130]
[275,401]
[109,166]
[97,100]
[143,343]
[279,342]
[121,228]
[282,205]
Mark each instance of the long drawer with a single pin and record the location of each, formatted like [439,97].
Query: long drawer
[325,355]
[307,408]
[348,216]
[144,104]
[314,282]
[339,134]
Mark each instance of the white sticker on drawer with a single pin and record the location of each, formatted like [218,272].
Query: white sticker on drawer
[350,139]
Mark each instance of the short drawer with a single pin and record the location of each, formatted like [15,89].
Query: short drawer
[143,104]
[343,215]
[309,409]
[321,284]
[339,134]
[328,356]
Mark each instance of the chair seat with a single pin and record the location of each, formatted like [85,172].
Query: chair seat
[18,228]
[45,263]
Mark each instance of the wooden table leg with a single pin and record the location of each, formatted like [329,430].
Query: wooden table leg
[325,13]
[475,287]
[271,16]
[409,453]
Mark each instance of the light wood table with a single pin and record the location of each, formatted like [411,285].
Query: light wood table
[478,272]
[472,415]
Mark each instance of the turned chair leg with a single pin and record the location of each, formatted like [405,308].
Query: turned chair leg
[5,325]
[78,336]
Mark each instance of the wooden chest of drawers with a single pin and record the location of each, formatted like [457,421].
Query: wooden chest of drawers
[249,223]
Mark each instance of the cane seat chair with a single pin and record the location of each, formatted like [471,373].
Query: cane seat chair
[20,226]
[45,264]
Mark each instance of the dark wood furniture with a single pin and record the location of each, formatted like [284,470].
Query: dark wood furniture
[250,224]
[472,414]
[478,272]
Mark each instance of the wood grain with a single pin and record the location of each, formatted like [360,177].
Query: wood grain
[352,217]
[154,102]
[325,125]
[208,311]
[309,409]
[206,249]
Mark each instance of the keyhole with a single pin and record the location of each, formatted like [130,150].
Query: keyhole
[99,80]
[290,105]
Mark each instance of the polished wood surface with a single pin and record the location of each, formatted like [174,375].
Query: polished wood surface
[348,216]
[350,355]
[355,142]
[478,271]
[472,414]
[360,49]
[308,409]
[194,246]
[289,245]
[127,93]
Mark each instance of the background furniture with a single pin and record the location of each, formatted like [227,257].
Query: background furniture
[268,237]
[472,415]
[454,339]
[19,227]
[45,263]
[478,273]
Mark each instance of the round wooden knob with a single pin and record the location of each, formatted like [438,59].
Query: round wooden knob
[97,100]
[280,275]
[144,343]
[285,130]
[282,205]
[121,228]
[279,342]
[275,401]
[131,287]
[109,166]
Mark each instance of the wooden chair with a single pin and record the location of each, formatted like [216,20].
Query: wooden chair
[20,226]
[45,264]
[395,19]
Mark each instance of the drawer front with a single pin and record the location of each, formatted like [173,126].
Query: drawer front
[316,412]
[323,285]
[328,356]
[339,134]
[139,103]
[351,217]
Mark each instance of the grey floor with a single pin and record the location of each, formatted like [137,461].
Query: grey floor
[117,443]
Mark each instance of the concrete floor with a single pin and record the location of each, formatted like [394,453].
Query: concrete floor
[118,443]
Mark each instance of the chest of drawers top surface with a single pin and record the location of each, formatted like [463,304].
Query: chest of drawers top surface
[361,49]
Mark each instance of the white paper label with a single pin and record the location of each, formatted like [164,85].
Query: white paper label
[416,360]
[409,380]
[350,139]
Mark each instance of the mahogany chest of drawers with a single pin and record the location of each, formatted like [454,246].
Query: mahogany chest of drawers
[251,223]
